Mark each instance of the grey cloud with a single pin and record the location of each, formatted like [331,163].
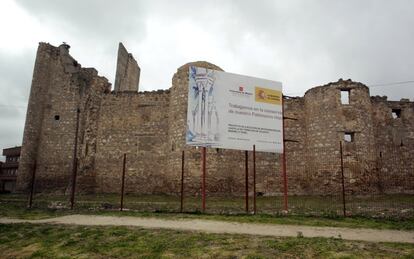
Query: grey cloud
[14,87]
[16,77]
[93,19]
[318,42]
[11,126]
[11,133]
[313,42]
[301,43]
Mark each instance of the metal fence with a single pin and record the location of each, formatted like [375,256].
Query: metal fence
[348,183]
[354,182]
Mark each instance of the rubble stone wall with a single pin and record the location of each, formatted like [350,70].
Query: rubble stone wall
[134,124]
[394,145]
[149,127]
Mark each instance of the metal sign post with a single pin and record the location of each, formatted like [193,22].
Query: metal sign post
[254,179]
[285,184]
[203,185]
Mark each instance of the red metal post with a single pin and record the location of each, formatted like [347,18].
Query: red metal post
[32,185]
[285,183]
[343,180]
[75,162]
[246,166]
[254,179]
[123,183]
[182,183]
[204,178]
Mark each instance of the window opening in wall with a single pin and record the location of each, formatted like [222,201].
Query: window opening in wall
[345,96]
[349,137]
[57,117]
[396,113]
[401,144]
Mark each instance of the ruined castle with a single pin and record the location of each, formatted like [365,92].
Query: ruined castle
[73,112]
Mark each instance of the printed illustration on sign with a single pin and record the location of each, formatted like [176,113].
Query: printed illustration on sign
[204,123]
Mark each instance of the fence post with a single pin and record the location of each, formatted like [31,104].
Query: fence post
[246,158]
[182,182]
[75,162]
[123,182]
[32,185]
[254,179]
[74,174]
[343,180]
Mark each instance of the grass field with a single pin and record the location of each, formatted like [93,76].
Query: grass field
[58,241]
[219,208]
[47,241]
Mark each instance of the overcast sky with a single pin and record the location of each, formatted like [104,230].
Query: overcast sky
[300,43]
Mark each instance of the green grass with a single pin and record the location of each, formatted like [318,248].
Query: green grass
[57,241]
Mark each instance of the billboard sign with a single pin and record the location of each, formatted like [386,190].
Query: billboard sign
[233,111]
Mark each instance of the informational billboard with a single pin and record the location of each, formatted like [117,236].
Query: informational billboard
[233,111]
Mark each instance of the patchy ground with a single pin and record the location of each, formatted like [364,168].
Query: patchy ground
[228,209]
[372,235]
[70,241]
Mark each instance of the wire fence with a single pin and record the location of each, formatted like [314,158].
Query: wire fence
[352,181]
[347,182]
[392,206]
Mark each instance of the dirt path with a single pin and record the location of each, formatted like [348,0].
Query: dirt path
[211,226]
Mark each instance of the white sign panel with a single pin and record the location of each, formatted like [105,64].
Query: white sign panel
[233,111]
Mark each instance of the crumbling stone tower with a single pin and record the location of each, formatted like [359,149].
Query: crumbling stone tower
[127,71]
[330,118]
[59,92]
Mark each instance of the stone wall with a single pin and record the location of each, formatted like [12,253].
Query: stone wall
[135,124]
[394,144]
[149,127]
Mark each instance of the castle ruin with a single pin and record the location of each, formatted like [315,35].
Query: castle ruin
[73,106]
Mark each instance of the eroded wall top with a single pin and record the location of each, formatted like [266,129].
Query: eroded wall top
[127,71]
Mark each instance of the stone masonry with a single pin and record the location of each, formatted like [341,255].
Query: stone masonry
[127,71]
[149,127]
